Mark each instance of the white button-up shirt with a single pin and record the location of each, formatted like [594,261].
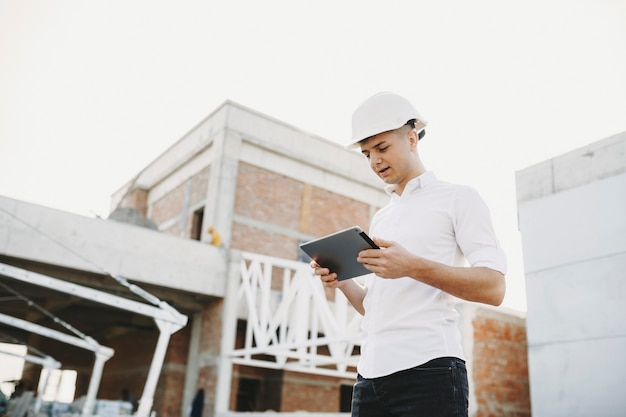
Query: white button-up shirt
[406,322]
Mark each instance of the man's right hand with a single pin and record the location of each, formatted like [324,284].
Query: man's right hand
[329,279]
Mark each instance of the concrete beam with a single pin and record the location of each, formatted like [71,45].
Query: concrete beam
[46,235]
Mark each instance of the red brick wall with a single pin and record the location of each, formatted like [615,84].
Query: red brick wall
[170,206]
[264,242]
[313,393]
[500,365]
[272,198]
[170,389]
[199,184]
[269,197]
[129,367]
[210,340]
[168,399]
[331,212]
[296,390]
[269,394]
[138,199]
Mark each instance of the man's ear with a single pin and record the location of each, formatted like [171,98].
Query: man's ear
[413,139]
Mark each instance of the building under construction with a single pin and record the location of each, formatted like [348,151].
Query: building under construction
[196,282]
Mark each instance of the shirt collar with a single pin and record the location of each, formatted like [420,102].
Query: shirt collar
[414,184]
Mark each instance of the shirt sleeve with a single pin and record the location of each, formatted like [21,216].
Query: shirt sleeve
[474,231]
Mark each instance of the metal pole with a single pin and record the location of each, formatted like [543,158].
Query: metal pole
[94,383]
[147,397]
[39,399]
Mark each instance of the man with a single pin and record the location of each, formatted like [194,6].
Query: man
[411,358]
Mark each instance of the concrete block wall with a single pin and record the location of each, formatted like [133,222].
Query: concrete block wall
[596,161]
[571,217]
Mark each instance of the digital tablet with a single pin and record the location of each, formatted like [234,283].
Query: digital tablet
[338,252]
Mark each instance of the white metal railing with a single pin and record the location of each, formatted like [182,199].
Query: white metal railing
[290,323]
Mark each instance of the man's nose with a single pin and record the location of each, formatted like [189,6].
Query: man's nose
[374,159]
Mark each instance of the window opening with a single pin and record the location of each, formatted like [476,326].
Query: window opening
[196,224]
[345,400]
[248,394]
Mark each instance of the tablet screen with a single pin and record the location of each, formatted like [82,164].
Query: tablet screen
[338,252]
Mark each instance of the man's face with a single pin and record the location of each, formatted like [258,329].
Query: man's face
[390,155]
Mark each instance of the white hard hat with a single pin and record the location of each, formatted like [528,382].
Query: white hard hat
[381,113]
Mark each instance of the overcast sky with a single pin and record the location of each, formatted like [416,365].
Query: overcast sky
[92,91]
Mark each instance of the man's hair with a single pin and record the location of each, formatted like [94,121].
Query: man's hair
[410,123]
[421,134]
